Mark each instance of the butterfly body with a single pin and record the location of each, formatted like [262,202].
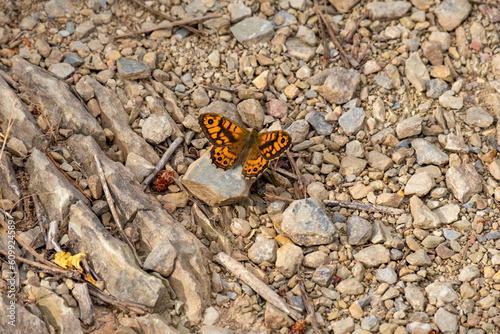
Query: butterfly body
[234,145]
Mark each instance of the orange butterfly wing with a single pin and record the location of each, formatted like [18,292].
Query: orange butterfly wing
[227,137]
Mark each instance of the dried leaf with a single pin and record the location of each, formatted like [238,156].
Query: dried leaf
[72,262]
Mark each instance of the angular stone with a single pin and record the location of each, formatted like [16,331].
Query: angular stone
[288,259]
[373,256]
[419,184]
[416,71]
[463,181]
[415,297]
[263,249]
[379,161]
[300,49]
[446,321]
[253,30]
[339,86]
[428,153]
[306,223]
[477,116]
[450,13]
[448,214]
[352,121]
[409,127]
[386,10]
[352,166]
[24,321]
[317,120]
[359,230]
[423,217]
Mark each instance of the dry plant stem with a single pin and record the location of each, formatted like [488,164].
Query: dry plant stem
[179,184]
[57,270]
[286,173]
[121,304]
[9,127]
[238,270]
[69,178]
[6,76]
[343,55]
[309,306]
[326,49]
[51,237]
[278,198]
[172,24]
[163,161]
[351,34]
[366,207]
[39,215]
[112,207]
[166,17]
[28,247]
[302,190]
[219,88]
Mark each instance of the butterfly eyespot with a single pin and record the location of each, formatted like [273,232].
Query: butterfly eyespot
[283,140]
[210,121]
[255,169]
[219,158]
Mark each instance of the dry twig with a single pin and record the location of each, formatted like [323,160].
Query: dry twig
[301,189]
[238,270]
[163,161]
[172,24]
[308,304]
[112,207]
[365,207]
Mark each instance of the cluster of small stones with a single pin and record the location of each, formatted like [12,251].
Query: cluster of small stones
[413,127]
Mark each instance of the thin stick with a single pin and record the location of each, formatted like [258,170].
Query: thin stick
[112,207]
[238,270]
[169,18]
[302,189]
[122,304]
[326,49]
[286,173]
[307,303]
[9,127]
[163,161]
[67,176]
[351,34]
[58,270]
[51,237]
[172,24]
[278,198]
[219,88]
[343,55]
[365,207]
[179,184]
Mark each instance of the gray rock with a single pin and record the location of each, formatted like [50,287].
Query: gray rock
[238,11]
[139,166]
[343,326]
[448,214]
[8,181]
[463,181]
[161,259]
[300,49]
[387,275]
[59,315]
[428,153]
[318,122]
[450,13]
[415,296]
[317,190]
[288,259]
[442,291]
[370,323]
[252,113]
[379,161]
[419,258]
[131,69]
[213,185]
[423,217]
[409,127]
[389,11]
[359,230]
[283,19]
[123,276]
[373,256]
[339,84]
[477,116]
[253,30]
[115,118]
[416,71]
[350,286]
[435,88]
[54,96]
[432,241]
[22,320]
[298,130]
[84,29]
[316,259]
[352,166]
[419,184]
[263,249]
[156,129]
[468,273]
[323,275]
[275,318]
[62,70]
[449,101]
[306,223]
[446,321]
[352,121]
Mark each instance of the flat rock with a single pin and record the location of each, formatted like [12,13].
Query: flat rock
[477,116]
[463,181]
[428,153]
[416,71]
[423,217]
[156,129]
[213,185]
[352,166]
[339,85]
[359,230]
[352,121]
[289,258]
[373,256]
[409,127]
[21,320]
[300,49]
[306,223]
[379,161]
[318,122]
[448,214]
[446,321]
[123,277]
[131,69]
[415,296]
[8,181]
[350,287]
[419,184]
[253,30]
[449,101]
[385,10]
[450,13]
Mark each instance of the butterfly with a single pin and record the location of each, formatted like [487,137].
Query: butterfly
[234,145]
